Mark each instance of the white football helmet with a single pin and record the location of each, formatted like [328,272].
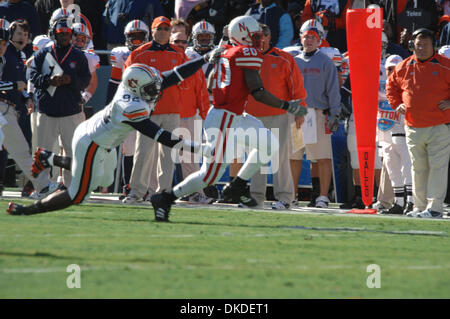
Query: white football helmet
[79,28]
[245,30]
[203,27]
[58,14]
[143,81]
[136,34]
[445,51]
[313,25]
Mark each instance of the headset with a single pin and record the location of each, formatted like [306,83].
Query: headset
[426,32]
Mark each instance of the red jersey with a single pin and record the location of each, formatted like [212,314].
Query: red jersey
[230,91]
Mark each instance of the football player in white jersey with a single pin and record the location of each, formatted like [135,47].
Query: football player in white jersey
[80,40]
[95,140]
[391,130]
[136,34]
[203,34]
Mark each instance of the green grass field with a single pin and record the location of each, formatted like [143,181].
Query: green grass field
[207,253]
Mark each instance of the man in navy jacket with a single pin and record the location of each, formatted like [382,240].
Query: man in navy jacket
[61,112]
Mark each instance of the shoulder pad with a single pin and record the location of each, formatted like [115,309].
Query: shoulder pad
[131,108]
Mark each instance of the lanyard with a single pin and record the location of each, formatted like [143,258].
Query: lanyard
[56,56]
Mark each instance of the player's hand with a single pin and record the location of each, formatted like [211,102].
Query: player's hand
[30,106]
[444,105]
[86,96]
[401,108]
[333,123]
[213,56]
[21,86]
[56,80]
[299,120]
[295,108]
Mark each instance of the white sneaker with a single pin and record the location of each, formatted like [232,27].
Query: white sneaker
[280,205]
[132,199]
[413,213]
[430,214]
[200,198]
[379,207]
[322,202]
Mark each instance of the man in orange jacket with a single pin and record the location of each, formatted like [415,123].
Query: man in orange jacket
[195,98]
[153,162]
[420,88]
[281,76]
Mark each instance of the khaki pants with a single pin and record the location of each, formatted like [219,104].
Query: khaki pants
[49,128]
[152,162]
[429,148]
[282,179]
[17,147]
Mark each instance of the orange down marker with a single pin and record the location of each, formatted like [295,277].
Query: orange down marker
[364,27]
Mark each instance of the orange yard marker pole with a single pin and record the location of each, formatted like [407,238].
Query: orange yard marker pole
[364,27]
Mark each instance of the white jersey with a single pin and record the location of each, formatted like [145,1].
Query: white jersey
[389,121]
[334,54]
[93,60]
[118,57]
[107,128]
[192,54]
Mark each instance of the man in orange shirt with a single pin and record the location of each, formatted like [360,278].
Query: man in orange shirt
[281,76]
[153,166]
[195,97]
[420,88]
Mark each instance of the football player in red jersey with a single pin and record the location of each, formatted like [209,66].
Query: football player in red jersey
[227,126]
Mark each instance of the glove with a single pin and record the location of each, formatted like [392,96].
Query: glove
[295,108]
[56,80]
[86,96]
[333,123]
[213,56]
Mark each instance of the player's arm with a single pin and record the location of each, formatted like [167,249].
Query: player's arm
[185,70]
[255,85]
[166,138]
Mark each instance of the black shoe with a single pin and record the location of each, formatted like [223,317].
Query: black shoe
[409,208]
[241,195]
[396,209]
[356,202]
[125,191]
[312,202]
[16,209]
[40,161]
[161,203]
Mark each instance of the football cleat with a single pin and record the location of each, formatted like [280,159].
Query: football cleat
[40,161]
[161,203]
[15,209]
[239,194]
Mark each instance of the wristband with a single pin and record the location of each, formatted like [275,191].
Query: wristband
[285,105]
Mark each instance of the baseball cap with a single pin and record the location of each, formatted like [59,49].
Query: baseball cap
[392,60]
[160,20]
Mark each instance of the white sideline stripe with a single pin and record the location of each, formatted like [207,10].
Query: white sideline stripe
[223,267]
